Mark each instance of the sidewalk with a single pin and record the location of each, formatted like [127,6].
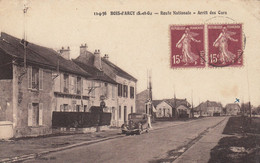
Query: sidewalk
[31,147]
[200,151]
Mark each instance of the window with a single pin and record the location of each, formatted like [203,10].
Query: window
[119,112]
[120,90]
[65,107]
[125,91]
[66,83]
[132,92]
[35,78]
[35,114]
[79,87]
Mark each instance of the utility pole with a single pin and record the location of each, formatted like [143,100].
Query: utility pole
[192,111]
[24,33]
[150,92]
[175,103]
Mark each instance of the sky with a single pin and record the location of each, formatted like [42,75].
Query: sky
[141,43]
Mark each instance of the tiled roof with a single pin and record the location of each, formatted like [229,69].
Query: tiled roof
[156,102]
[118,70]
[177,102]
[95,73]
[38,55]
[174,103]
[232,105]
[208,104]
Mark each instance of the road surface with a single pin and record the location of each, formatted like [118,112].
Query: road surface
[159,145]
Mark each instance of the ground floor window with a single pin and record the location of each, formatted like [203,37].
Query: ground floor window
[64,108]
[35,114]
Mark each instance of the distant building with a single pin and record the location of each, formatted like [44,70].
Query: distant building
[232,109]
[175,108]
[141,101]
[209,108]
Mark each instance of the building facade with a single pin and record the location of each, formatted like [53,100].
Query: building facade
[35,81]
[209,108]
[172,108]
[32,93]
[122,84]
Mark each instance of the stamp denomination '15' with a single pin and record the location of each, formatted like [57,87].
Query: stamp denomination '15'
[187,46]
[225,45]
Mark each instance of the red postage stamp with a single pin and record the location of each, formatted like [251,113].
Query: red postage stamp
[187,46]
[225,45]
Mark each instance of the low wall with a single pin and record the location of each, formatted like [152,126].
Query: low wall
[6,129]
[80,119]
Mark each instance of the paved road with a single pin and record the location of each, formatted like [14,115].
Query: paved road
[157,146]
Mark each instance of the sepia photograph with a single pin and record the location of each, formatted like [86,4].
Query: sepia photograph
[121,81]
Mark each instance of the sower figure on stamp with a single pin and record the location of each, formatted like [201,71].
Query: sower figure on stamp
[222,43]
[185,44]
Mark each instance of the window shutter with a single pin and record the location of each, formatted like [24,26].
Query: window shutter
[75,85]
[30,114]
[93,88]
[29,73]
[41,114]
[61,82]
[113,92]
[40,79]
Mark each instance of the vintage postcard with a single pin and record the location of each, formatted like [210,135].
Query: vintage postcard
[117,81]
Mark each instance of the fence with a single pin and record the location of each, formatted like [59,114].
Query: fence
[80,119]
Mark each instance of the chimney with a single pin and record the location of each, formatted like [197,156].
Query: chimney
[65,53]
[97,59]
[106,56]
[83,49]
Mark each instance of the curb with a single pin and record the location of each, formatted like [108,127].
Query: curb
[197,139]
[35,155]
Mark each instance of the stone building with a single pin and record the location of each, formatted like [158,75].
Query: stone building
[28,92]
